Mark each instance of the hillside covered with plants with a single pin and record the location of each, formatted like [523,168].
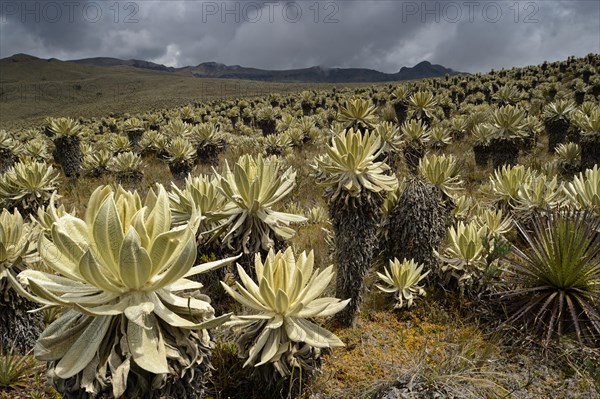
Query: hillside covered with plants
[436,238]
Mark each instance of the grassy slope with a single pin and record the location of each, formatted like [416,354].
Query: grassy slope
[32,88]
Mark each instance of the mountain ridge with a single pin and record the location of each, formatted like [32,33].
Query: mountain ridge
[314,74]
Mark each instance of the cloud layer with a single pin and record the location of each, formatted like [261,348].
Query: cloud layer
[471,36]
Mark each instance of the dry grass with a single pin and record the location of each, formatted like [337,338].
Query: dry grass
[33,89]
[76,194]
[21,377]
[385,346]
[438,348]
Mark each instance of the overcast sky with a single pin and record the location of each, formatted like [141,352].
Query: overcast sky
[469,36]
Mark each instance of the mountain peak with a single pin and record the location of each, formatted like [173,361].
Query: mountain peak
[212,64]
[425,69]
[111,62]
[20,57]
[423,63]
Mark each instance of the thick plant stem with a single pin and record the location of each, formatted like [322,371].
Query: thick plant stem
[417,223]
[557,133]
[355,226]
[68,154]
[19,329]
[590,153]
[504,152]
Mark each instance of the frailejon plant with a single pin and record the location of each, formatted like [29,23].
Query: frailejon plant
[66,140]
[180,156]
[277,335]
[200,194]
[355,186]
[28,185]
[590,139]
[188,115]
[472,252]
[391,141]
[317,214]
[96,163]
[508,95]
[358,114]
[416,223]
[134,324]
[402,279]
[8,151]
[307,103]
[458,127]
[296,136]
[463,255]
[552,283]
[494,221]
[422,105]
[504,185]
[507,124]
[482,134]
[266,119]
[118,143]
[584,191]
[415,135]
[154,120]
[537,194]
[399,100]
[569,157]
[464,207]
[532,128]
[18,328]
[209,143]
[557,120]
[36,148]
[442,171]
[47,215]
[307,126]
[177,128]
[135,128]
[154,142]
[439,137]
[276,144]
[286,122]
[127,166]
[252,189]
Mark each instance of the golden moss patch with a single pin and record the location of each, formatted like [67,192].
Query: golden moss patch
[382,347]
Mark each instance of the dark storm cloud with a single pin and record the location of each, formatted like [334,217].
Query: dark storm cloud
[385,35]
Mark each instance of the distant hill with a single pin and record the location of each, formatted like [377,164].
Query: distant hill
[32,88]
[107,61]
[314,74]
[425,69]
[317,74]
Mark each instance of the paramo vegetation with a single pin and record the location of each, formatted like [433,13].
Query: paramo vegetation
[311,245]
